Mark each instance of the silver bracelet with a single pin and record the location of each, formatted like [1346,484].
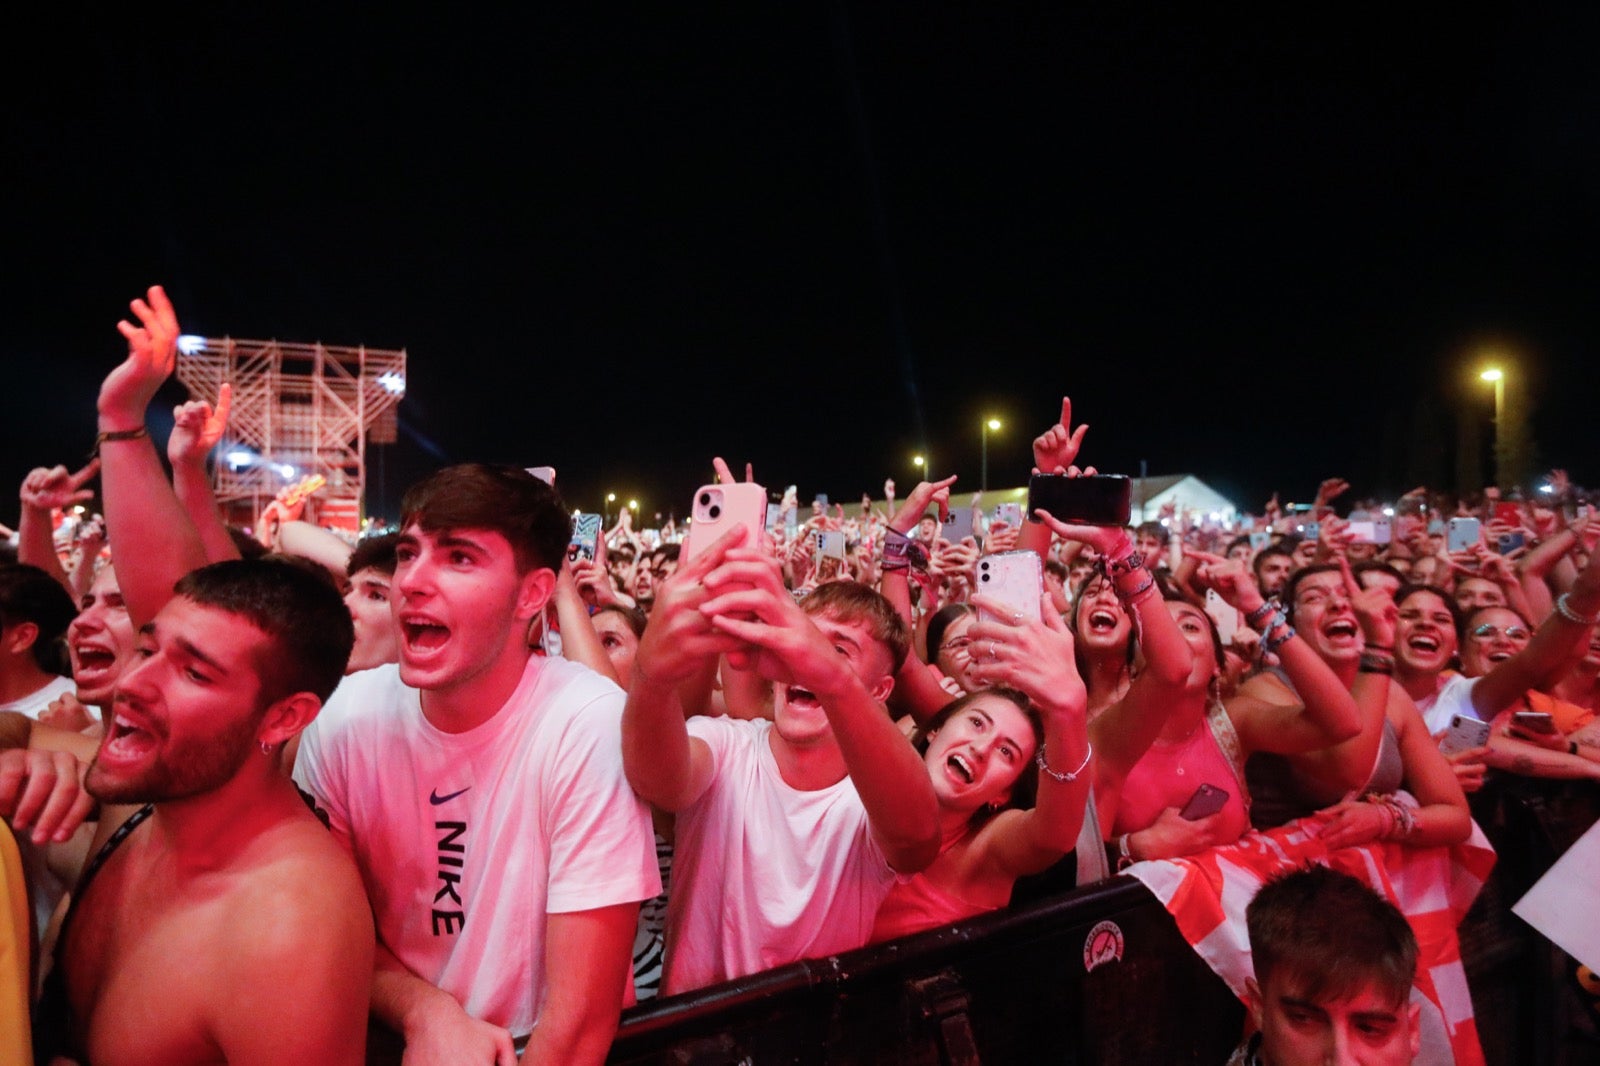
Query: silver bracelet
[1564,609]
[1073,776]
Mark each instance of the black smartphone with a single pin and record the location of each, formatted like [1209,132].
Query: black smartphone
[1102,500]
[1206,801]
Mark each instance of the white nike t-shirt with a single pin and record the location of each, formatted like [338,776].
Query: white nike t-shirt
[466,841]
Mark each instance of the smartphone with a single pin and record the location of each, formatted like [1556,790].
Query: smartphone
[1311,530]
[830,544]
[1507,543]
[1015,579]
[546,474]
[1463,534]
[1224,614]
[1509,512]
[1009,513]
[1260,539]
[774,517]
[1102,500]
[1535,722]
[1435,528]
[958,526]
[718,508]
[1206,801]
[1464,733]
[585,535]
[1371,531]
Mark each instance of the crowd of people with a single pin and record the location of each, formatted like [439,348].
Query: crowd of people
[487,783]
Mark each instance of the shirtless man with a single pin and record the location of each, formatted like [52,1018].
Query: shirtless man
[231,927]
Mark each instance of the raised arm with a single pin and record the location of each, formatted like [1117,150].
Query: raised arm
[916,692]
[144,518]
[196,428]
[665,765]
[752,605]
[579,642]
[45,490]
[1054,452]
[1547,655]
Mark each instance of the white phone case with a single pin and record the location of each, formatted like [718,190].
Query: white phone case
[1014,579]
[1464,733]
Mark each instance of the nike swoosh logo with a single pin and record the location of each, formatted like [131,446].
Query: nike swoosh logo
[436,799]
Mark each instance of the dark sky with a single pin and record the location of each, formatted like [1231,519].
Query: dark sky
[823,237]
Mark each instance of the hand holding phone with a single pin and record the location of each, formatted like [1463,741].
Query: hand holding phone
[1206,801]
[1463,734]
[1014,579]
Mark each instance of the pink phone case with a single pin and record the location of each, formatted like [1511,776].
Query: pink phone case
[718,508]
[1013,578]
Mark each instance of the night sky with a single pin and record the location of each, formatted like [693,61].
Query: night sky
[824,237]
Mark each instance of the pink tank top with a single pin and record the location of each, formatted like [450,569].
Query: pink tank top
[1168,775]
[915,904]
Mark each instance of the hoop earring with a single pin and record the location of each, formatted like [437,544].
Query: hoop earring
[266,749]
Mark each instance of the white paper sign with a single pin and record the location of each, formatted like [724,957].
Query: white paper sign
[1562,903]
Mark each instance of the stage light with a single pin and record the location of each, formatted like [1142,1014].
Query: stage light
[393,382]
[189,344]
[239,458]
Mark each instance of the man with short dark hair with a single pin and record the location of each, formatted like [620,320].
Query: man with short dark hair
[1272,566]
[155,964]
[370,570]
[480,789]
[1334,965]
[34,614]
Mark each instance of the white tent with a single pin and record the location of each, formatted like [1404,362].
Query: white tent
[1185,492]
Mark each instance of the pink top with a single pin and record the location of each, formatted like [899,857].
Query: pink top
[1168,775]
[916,903]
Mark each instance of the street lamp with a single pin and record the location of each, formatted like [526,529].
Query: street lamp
[1497,376]
[923,470]
[611,498]
[983,476]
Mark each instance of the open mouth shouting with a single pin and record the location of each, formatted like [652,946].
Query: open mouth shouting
[1102,621]
[959,768]
[94,664]
[423,636]
[129,738]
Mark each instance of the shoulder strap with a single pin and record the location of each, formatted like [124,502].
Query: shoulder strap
[1227,739]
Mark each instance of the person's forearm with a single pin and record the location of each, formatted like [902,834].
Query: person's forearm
[318,545]
[888,774]
[399,996]
[1329,708]
[1035,537]
[655,744]
[1058,812]
[36,545]
[579,642]
[1518,600]
[1530,760]
[193,489]
[1543,557]
[1439,825]
[144,522]
[896,588]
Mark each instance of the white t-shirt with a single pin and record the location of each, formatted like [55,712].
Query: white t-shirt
[34,703]
[1454,697]
[466,841]
[764,874]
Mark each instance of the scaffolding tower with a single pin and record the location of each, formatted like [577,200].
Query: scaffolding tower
[298,410]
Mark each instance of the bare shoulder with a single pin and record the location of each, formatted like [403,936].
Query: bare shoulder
[300,886]
[1269,688]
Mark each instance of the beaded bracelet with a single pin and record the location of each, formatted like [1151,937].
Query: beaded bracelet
[1126,565]
[1564,609]
[1073,776]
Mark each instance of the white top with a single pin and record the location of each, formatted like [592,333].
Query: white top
[466,841]
[764,874]
[1454,697]
[34,703]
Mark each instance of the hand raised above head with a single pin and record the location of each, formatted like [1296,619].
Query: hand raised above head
[1056,448]
[54,488]
[916,505]
[152,354]
[196,427]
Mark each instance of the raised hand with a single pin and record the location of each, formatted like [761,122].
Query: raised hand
[1056,448]
[1330,489]
[1374,608]
[152,353]
[1233,582]
[196,428]
[1030,654]
[53,488]
[916,505]
[1106,540]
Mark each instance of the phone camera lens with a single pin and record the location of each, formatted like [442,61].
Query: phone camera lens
[715,513]
[705,498]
